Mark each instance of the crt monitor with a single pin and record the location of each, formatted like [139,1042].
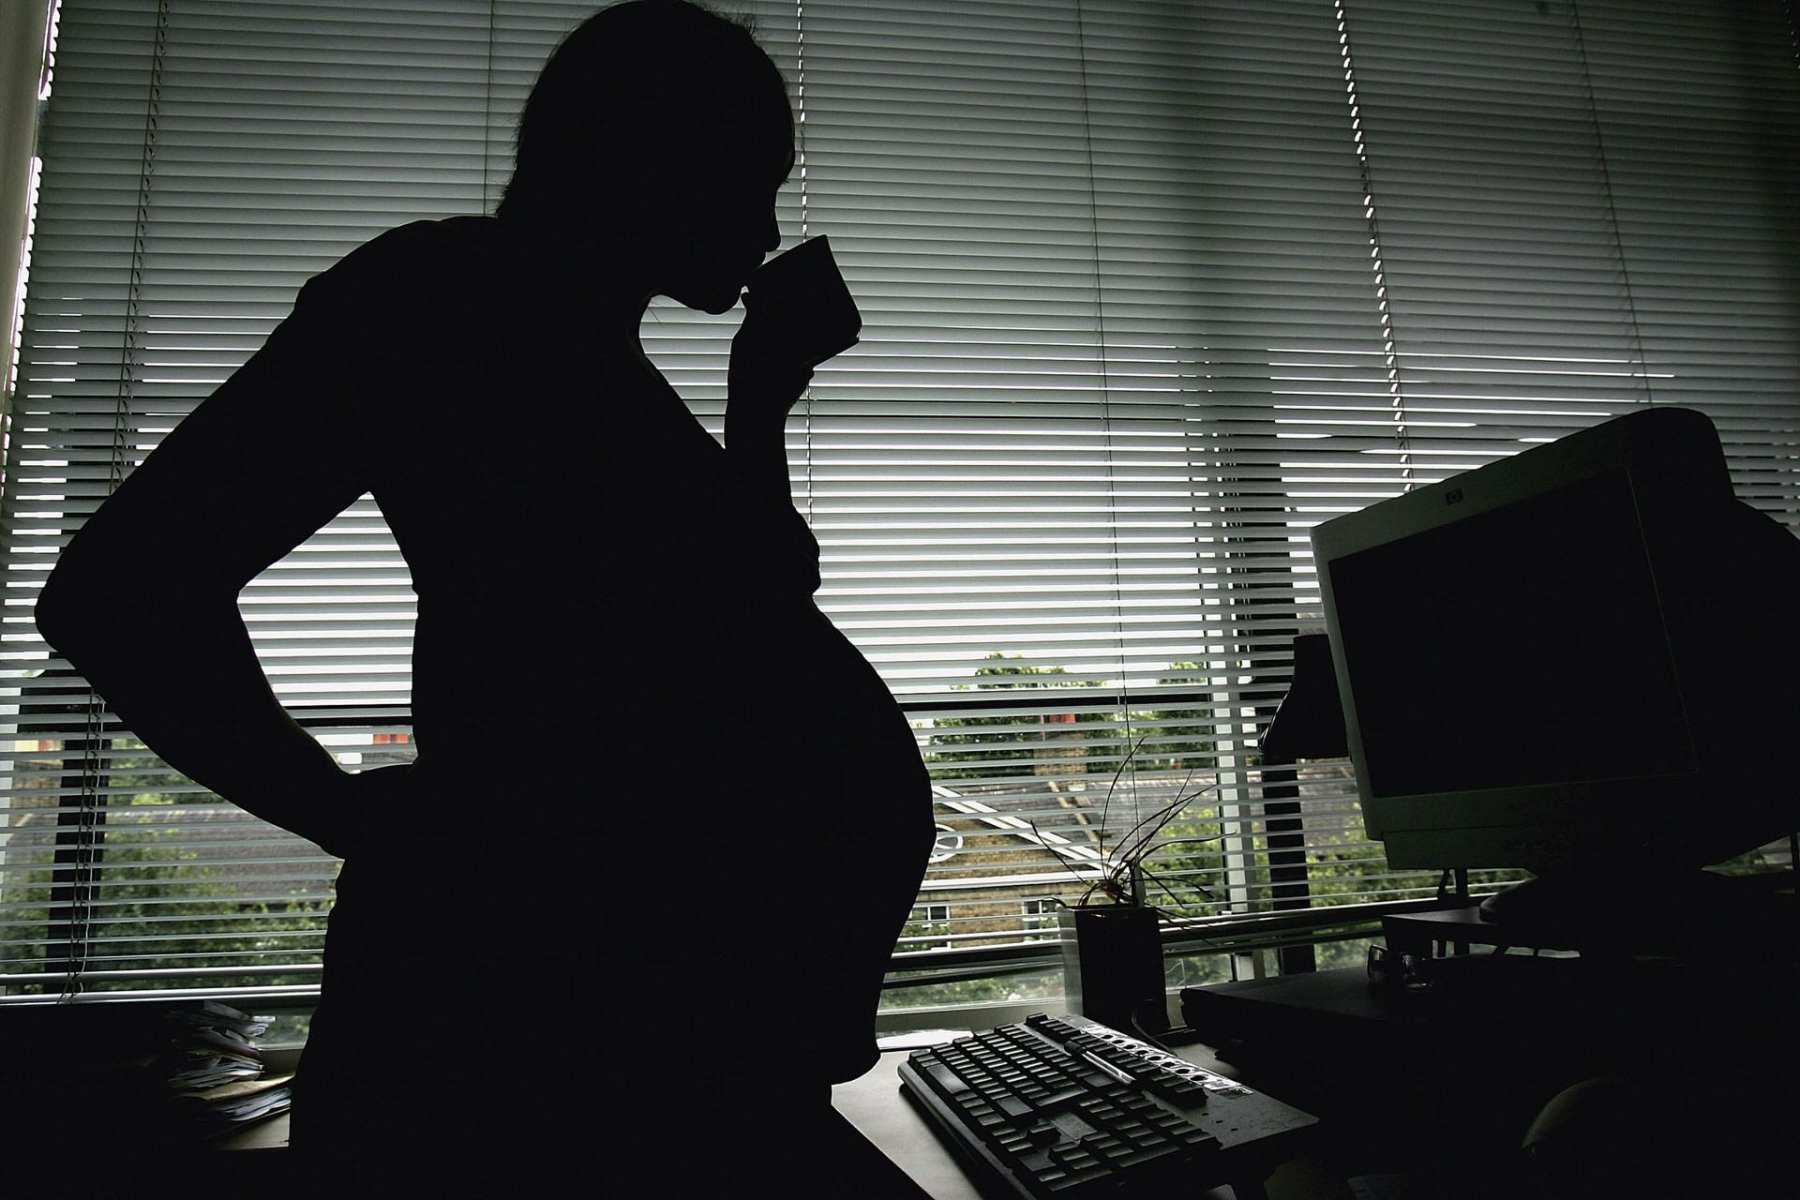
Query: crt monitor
[1580,658]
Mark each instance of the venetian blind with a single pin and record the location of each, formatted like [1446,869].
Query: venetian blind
[1149,289]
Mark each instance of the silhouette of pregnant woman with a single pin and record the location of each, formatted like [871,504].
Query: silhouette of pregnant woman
[696,828]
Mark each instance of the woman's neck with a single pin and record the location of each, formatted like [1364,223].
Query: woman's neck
[581,271]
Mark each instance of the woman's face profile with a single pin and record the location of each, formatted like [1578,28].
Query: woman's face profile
[718,219]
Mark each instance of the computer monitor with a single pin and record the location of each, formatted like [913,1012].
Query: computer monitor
[1584,658]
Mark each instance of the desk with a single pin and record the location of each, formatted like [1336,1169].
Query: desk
[874,1106]
[1449,1081]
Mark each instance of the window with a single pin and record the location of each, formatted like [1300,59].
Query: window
[928,929]
[1149,290]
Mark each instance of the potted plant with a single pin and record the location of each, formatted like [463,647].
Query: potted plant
[1112,937]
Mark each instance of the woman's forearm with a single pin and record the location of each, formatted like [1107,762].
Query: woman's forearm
[186,680]
[759,455]
[761,387]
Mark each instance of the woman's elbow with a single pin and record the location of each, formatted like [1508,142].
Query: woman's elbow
[76,610]
[63,607]
[100,606]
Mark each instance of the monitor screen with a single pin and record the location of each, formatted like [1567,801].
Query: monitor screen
[1520,647]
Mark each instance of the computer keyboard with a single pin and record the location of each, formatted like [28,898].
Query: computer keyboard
[1062,1106]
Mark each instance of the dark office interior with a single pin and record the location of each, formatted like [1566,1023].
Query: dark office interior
[961,598]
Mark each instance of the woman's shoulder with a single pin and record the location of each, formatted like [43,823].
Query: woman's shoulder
[436,243]
[422,261]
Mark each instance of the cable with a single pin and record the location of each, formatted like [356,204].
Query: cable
[1137,1027]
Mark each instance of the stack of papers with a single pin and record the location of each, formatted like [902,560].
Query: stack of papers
[214,1069]
[230,1107]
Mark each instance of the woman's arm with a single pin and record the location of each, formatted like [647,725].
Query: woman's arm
[143,602]
[761,389]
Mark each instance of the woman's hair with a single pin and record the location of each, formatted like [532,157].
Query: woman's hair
[645,77]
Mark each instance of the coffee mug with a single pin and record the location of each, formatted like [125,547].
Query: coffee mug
[801,297]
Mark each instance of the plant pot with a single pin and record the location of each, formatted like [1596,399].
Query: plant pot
[1112,962]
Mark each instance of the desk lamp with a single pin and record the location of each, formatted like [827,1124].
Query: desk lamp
[1310,721]
[1308,724]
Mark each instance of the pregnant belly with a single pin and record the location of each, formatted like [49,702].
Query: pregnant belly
[749,826]
[846,781]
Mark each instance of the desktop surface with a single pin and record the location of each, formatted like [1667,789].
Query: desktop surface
[875,1108]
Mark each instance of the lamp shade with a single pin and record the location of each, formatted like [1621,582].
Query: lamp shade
[1310,721]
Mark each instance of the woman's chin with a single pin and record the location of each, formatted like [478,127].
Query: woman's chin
[715,299]
[723,304]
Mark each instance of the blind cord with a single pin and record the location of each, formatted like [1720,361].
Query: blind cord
[487,115]
[90,813]
[1112,482]
[1612,213]
[800,157]
[1389,351]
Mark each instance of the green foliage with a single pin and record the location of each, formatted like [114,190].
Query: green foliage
[992,746]
[1167,739]
[1184,855]
[156,897]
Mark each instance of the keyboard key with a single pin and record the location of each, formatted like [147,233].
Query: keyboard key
[1012,1106]
[1079,1181]
[1058,1099]
[947,1080]
[1137,1158]
[1104,1147]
